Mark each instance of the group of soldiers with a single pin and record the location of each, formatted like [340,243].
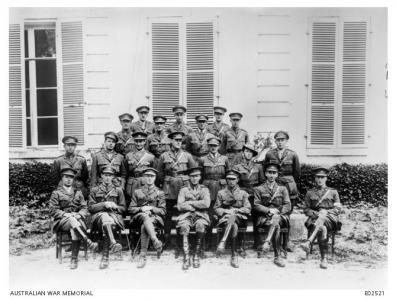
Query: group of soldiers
[203,178]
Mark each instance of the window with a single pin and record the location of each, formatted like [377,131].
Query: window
[338,89]
[41,87]
[183,66]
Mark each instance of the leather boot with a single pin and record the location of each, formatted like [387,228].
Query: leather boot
[114,246]
[241,239]
[323,247]
[75,247]
[234,256]
[306,246]
[104,263]
[141,261]
[186,250]
[148,225]
[279,262]
[93,246]
[144,242]
[198,249]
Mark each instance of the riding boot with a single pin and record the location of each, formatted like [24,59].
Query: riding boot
[144,243]
[323,247]
[75,247]
[104,263]
[241,239]
[91,245]
[148,225]
[198,249]
[114,246]
[186,250]
[234,256]
[277,248]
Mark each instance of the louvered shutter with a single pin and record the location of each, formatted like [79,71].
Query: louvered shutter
[199,70]
[323,83]
[15,87]
[73,79]
[166,67]
[354,83]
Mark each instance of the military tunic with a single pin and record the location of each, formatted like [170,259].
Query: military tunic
[151,196]
[290,170]
[135,163]
[322,199]
[214,170]
[276,197]
[218,130]
[98,196]
[198,200]
[196,142]
[102,159]
[235,198]
[251,175]
[146,127]
[63,201]
[125,142]
[162,140]
[233,141]
[78,163]
[182,127]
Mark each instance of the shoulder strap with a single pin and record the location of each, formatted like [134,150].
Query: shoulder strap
[142,159]
[273,196]
[323,197]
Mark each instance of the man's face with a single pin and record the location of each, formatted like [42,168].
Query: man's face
[149,178]
[69,148]
[179,116]
[320,180]
[109,144]
[235,123]
[195,178]
[159,126]
[271,175]
[248,154]
[201,124]
[213,148]
[177,142]
[218,116]
[107,178]
[125,124]
[143,115]
[232,182]
[140,144]
[281,143]
[67,180]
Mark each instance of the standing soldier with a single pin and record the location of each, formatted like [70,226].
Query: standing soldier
[179,125]
[142,124]
[218,128]
[196,142]
[107,204]
[232,208]
[125,142]
[272,207]
[69,211]
[72,160]
[322,206]
[158,141]
[193,203]
[148,210]
[252,175]
[108,157]
[135,162]
[170,166]
[234,139]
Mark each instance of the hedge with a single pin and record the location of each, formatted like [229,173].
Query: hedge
[31,184]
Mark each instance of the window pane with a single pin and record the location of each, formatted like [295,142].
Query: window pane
[47,131]
[27,74]
[26,44]
[46,103]
[28,133]
[46,73]
[27,103]
[45,42]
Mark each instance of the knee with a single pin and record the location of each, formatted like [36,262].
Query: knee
[184,230]
[200,228]
[74,235]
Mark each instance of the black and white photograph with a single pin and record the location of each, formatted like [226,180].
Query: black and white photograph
[210,148]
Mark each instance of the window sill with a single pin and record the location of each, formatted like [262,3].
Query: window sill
[337,152]
[35,153]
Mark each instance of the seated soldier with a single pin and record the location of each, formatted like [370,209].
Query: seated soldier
[322,206]
[232,208]
[272,205]
[148,209]
[69,211]
[107,204]
[193,203]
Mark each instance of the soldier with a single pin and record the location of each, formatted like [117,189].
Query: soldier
[252,175]
[170,166]
[135,162]
[72,160]
[218,128]
[322,206]
[232,208]
[108,157]
[148,210]
[125,141]
[179,125]
[69,212]
[196,142]
[272,206]
[142,124]
[193,203]
[158,141]
[107,204]
[234,139]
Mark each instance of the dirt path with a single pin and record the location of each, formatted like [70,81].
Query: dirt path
[40,270]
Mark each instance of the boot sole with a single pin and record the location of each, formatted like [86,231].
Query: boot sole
[116,248]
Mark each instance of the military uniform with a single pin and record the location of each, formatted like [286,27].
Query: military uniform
[218,130]
[146,127]
[180,127]
[125,142]
[233,141]
[161,140]
[196,142]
